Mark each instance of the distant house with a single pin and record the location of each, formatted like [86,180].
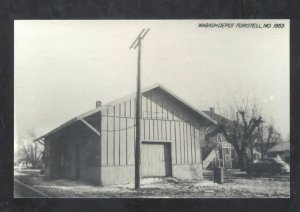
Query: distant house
[99,146]
[216,147]
[282,149]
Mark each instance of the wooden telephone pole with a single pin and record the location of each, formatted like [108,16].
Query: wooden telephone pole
[138,43]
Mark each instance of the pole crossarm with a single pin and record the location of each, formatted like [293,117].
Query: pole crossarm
[90,126]
[139,38]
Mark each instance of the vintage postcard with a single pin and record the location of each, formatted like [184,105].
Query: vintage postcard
[152,108]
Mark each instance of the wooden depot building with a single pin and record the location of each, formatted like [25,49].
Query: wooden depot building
[98,146]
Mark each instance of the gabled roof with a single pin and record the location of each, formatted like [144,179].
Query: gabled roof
[215,116]
[117,101]
[281,147]
[219,119]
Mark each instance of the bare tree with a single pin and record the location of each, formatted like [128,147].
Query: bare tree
[266,137]
[30,151]
[242,120]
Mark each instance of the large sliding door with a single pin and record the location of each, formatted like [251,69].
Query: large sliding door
[156,159]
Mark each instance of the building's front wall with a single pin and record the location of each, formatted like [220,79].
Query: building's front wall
[163,120]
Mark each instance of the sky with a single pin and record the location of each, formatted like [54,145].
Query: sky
[63,67]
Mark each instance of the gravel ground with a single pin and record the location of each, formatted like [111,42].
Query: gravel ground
[242,186]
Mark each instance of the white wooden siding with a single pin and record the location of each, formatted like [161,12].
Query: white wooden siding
[177,125]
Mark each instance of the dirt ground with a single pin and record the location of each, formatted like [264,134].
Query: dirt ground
[236,186]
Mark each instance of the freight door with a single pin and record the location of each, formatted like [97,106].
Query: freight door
[156,159]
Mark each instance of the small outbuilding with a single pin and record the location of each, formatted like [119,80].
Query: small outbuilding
[99,146]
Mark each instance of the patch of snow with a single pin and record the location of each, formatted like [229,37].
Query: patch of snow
[146,181]
[19,174]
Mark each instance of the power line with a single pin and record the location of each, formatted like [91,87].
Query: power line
[118,129]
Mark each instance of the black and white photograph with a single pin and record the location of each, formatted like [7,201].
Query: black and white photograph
[189,108]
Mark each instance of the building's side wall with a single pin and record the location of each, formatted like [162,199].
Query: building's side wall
[46,158]
[63,155]
[163,118]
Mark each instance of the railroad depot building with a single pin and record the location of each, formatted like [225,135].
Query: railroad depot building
[99,146]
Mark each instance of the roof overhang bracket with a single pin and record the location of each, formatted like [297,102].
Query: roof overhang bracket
[90,126]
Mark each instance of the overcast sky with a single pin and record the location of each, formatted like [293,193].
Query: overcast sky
[63,67]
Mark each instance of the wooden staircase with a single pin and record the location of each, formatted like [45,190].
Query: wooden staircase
[211,156]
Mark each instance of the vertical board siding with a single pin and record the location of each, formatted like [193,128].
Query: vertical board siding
[173,138]
[155,130]
[188,145]
[130,141]
[147,129]
[158,126]
[161,119]
[142,123]
[128,114]
[183,142]
[192,143]
[126,140]
[154,121]
[142,129]
[195,143]
[122,134]
[117,135]
[111,136]
[114,135]
[131,132]
[107,138]
[186,142]
[168,130]
[158,129]
[198,137]
[164,130]
[104,138]
[188,137]
[178,138]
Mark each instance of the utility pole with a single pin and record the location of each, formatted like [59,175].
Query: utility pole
[138,43]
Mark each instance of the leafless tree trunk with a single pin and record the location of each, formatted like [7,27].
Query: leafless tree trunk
[267,137]
[32,151]
[239,128]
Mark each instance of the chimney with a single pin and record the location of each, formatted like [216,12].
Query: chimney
[212,110]
[98,104]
